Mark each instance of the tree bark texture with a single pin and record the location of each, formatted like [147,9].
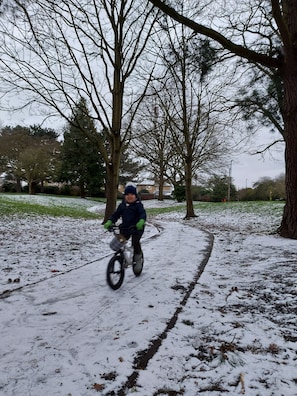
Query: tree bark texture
[112,170]
[188,184]
[288,227]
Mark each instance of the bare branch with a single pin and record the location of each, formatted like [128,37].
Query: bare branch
[239,50]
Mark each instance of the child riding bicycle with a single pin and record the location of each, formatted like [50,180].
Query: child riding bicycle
[132,212]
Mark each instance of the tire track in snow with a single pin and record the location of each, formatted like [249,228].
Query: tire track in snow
[143,357]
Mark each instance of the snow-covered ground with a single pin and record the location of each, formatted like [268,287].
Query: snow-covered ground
[178,329]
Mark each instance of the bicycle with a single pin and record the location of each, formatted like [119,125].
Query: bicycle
[122,259]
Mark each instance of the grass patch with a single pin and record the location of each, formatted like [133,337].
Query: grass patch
[50,206]
[251,207]
[169,209]
[75,207]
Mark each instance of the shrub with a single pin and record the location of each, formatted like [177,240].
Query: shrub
[179,193]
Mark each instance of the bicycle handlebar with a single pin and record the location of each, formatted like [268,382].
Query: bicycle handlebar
[114,227]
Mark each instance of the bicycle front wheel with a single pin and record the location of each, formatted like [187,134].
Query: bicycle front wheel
[115,272]
[138,266]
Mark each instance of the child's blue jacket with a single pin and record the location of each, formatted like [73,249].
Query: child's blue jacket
[130,213]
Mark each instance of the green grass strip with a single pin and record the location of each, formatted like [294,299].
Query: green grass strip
[9,207]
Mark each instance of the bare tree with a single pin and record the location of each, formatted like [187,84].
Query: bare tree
[270,44]
[192,104]
[153,141]
[57,52]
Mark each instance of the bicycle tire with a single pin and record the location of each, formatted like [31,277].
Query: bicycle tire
[138,269]
[115,272]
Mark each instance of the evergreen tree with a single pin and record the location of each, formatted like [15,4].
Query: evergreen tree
[82,164]
[219,189]
[130,166]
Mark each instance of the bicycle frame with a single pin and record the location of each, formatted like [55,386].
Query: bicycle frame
[128,253]
[126,250]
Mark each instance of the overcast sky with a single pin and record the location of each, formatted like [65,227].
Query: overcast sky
[247,169]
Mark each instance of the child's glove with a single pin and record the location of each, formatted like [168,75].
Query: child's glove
[140,224]
[108,225]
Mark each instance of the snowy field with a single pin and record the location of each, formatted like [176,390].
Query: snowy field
[213,313]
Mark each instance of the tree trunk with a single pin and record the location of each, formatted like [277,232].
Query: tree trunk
[110,193]
[189,199]
[112,176]
[18,185]
[288,70]
[32,188]
[82,189]
[113,163]
[161,187]
[288,227]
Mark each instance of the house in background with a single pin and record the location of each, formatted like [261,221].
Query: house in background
[148,189]
[147,185]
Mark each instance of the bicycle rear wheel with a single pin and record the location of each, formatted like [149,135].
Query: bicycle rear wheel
[115,272]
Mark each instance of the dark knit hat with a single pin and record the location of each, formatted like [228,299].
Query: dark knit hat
[130,190]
